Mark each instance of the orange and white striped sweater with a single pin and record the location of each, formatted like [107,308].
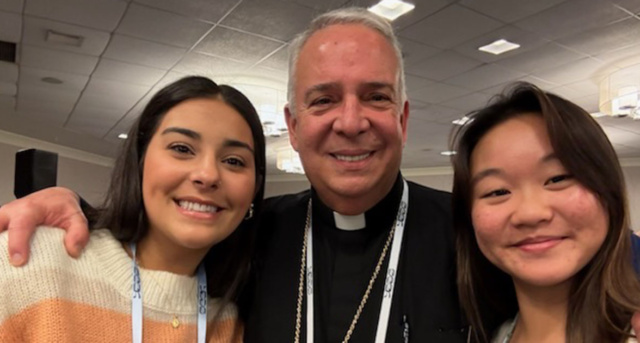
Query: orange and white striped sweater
[56,298]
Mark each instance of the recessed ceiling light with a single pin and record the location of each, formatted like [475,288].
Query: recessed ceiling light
[123,136]
[51,80]
[391,9]
[499,47]
[447,153]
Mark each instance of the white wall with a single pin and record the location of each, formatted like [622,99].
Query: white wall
[85,173]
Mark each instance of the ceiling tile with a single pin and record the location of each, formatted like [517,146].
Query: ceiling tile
[265,17]
[55,60]
[413,52]
[138,51]
[633,6]
[440,114]
[211,11]
[130,73]
[276,78]
[413,82]
[485,76]
[161,26]
[526,40]
[97,14]
[422,10]
[52,109]
[589,103]
[33,77]
[8,72]
[505,87]
[444,30]
[236,45]
[7,102]
[469,102]
[322,6]
[509,10]
[612,37]
[438,93]
[547,56]
[199,64]
[279,60]
[442,66]
[587,87]
[35,33]
[100,93]
[572,72]
[561,20]
[622,57]
[92,120]
[14,6]
[47,93]
[8,89]
[10,27]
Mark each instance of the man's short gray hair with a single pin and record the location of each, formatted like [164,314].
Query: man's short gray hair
[352,15]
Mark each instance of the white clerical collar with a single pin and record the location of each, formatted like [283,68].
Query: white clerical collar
[349,223]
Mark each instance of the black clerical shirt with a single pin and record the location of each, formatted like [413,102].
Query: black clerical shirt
[424,308]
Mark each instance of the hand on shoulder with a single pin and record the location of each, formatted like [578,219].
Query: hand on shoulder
[56,206]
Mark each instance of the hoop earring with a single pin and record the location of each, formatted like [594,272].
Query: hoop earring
[250,213]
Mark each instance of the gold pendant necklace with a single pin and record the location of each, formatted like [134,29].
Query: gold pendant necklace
[365,297]
[175,322]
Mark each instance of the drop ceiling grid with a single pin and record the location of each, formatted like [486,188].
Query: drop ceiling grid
[446,76]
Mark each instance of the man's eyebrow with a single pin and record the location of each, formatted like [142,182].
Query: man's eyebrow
[233,143]
[378,85]
[187,132]
[321,87]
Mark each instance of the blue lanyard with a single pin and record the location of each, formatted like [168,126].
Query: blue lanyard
[136,301]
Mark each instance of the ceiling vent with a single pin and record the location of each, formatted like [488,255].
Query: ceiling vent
[8,52]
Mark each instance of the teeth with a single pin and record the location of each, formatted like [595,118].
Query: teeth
[352,158]
[194,206]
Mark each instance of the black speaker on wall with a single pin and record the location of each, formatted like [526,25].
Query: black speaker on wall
[35,170]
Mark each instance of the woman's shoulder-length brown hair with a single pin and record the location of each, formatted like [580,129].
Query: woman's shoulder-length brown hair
[606,291]
[227,263]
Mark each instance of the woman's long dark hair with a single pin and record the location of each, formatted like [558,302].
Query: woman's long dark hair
[606,291]
[228,262]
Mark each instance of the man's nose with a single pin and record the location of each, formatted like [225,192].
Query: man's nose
[351,120]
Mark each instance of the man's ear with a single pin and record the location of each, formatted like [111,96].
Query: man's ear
[292,122]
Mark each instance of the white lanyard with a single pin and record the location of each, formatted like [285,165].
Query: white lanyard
[389,283]
[136,301]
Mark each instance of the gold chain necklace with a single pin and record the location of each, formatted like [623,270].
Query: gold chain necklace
[366,293]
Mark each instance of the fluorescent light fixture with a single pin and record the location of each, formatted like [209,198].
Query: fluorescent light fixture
[122,136]
[391,9]
[499,47]
[598,114]
[461,121]
[448,153]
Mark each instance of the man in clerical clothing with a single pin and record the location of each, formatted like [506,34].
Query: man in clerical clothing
[383,260]
[364,256]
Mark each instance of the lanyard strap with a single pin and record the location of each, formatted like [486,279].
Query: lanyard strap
[136,301]
[389,284]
